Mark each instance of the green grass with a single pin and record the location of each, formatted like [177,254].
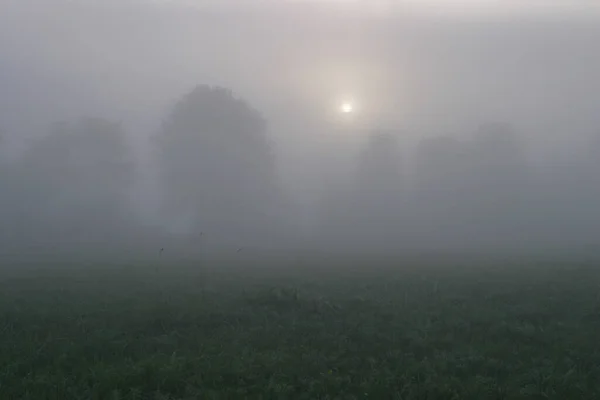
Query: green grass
[386,331]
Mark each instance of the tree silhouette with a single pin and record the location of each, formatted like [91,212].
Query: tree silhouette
[217,167]
[438,203]
[571,198]
[497,184]
[74,182]
[369,213]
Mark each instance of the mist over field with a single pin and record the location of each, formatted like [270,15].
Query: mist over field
[304,199]
[141,125]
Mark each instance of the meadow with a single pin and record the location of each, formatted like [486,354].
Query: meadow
[325,329]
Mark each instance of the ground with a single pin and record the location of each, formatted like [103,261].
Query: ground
[365,330]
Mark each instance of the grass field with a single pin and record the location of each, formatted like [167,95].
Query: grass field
[380,330]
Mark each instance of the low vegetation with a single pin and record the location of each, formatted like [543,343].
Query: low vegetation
[388,331]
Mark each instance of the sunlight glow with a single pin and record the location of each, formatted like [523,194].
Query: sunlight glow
[346,108]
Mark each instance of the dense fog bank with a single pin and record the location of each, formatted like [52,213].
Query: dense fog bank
[169,134]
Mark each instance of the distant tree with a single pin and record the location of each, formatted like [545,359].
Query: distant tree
[380,166]
[369,213]
[497,186]
[217,168]
[572,195]
[73,184]
[438,203]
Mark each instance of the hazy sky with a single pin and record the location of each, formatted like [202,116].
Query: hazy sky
[421,67]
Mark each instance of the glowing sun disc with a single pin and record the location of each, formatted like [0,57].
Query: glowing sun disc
[346,108]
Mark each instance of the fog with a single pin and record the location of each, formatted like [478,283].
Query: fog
[190,126]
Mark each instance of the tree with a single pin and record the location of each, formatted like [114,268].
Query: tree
[74,183]
[572,194]
[369,213]
[217,168]
[497,187]
[438,192]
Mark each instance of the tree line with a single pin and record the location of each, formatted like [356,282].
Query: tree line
[218,173]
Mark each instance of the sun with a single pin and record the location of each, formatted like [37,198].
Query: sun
[346,108]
